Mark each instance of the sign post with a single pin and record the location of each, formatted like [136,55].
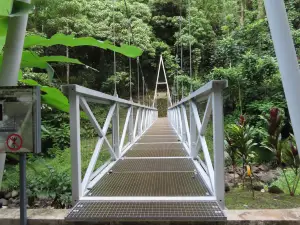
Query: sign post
[20,130]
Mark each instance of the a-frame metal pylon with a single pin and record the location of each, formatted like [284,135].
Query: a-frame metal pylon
[161,65]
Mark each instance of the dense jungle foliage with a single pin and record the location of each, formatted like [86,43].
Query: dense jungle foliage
[230,40]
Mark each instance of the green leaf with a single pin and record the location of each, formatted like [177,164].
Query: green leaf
[20,75]
[55,98]
[2,43]
[3,26]
[29,82]
[71,41]
[21,8]
[31,59]
[5,7]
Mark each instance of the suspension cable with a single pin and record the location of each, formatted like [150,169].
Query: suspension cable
[114,34]
[181,48]
[190,48]
[139,67]
[130,75]
[138,73]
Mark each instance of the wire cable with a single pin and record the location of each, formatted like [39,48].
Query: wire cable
[190,47]
[114,34]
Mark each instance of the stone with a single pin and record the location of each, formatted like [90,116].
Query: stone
[266,178]
[254,169]
[263,168]
[8,195]
[258,187]
[262,190]
[4,202]
[275,190]
[227,188]
[2,194]
[14,194]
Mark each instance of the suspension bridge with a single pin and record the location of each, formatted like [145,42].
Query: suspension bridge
[155,170]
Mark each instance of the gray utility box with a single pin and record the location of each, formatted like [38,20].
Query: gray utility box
[20,119]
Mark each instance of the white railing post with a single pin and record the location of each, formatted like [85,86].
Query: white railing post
[75,145]
[115,131]
[218,139]
[193,133]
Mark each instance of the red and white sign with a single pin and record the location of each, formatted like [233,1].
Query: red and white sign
[14,142]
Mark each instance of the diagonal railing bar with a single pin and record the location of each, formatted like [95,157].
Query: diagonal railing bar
[129,111]
[204,145]
[84,105]
[194,133]
[95,156]
[186,129]
[137,120]
[206,116]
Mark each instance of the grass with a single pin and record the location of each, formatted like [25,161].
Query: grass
[242,199]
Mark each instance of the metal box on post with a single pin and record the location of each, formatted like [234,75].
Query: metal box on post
[20,119]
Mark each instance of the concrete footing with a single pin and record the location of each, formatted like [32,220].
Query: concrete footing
[235,217]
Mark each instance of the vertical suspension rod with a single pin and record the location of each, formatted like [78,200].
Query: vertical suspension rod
[190,47]
[114,34]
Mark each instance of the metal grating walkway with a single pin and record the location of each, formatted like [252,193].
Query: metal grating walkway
[157,166]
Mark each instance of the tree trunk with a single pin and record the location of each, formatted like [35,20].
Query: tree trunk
[242,18]
[260,9]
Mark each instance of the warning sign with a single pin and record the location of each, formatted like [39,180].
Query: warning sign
[14,142]
[20,119]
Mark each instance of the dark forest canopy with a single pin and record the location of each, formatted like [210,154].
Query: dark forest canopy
[230,40]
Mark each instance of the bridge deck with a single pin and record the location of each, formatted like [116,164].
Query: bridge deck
[156,166]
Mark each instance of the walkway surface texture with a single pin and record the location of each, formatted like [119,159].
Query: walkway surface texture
[157,166]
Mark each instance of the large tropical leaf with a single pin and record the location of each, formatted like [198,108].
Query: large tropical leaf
[71,41]
[11,8]
[5,7]
[55,98]
[31,59]
[21,8]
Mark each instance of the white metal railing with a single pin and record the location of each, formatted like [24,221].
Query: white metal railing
[79,97]
[192,133]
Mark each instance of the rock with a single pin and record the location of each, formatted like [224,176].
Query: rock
[2,194]
[8,195]
[4,202]
[275,190]
[14,194]
[263,168]
[262,190]
[254,169]
[266,178]
[258,187]
[227,188]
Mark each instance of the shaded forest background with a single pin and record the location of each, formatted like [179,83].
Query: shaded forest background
[230,40]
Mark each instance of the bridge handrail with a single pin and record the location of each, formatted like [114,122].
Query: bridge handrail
[192,134]
[100,97]
[79,97]
[203,92]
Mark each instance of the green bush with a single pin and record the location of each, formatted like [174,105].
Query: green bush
[282,183]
